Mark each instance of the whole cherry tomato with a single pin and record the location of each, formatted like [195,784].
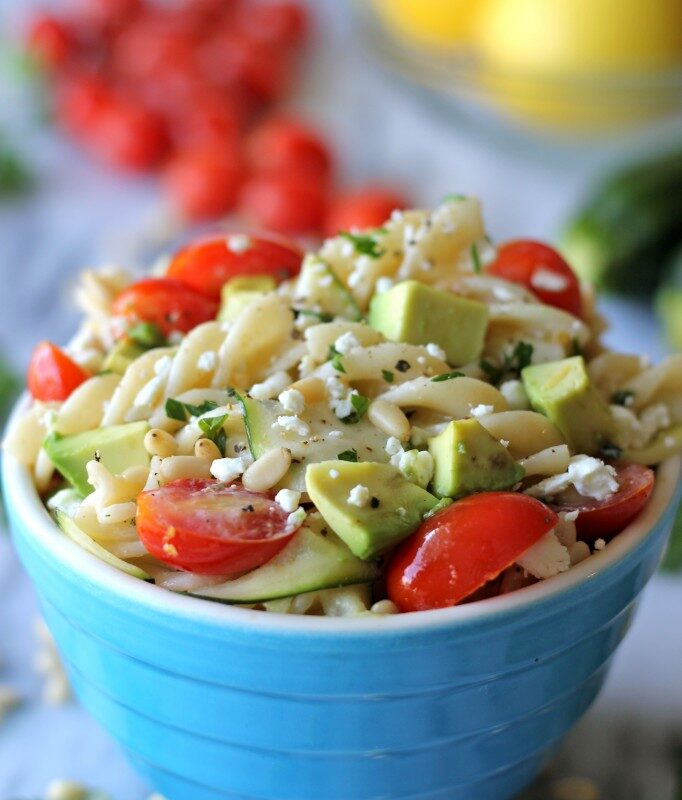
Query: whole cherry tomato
[288,205]
[366,208]
[50,41]
[52,374]
[287,147]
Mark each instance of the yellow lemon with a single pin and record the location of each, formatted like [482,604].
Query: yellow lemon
[437,24]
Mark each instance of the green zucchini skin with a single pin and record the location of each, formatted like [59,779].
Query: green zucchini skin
[669,300]
[620,240]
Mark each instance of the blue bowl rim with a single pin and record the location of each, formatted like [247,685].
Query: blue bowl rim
[26,507]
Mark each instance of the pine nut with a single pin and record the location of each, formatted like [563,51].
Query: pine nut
[159,443]
[312,389]
[205,448]
[268,470]
[176,468]
[385,607]
[390,419]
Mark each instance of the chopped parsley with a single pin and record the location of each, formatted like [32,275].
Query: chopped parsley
[360,405]
[493,373]
[622,397]
[366,245]
[447,376]
[336,358]
[402,365]
[348,455]
[387,375]
[514,362]
[212,427]
[175,409]
[476,259]
[147,335]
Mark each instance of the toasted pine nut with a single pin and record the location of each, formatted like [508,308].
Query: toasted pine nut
[174,468]
[268,470]
[313,389]
[390,419]
[578,552]
[160,443]
[205,448]
[385,607]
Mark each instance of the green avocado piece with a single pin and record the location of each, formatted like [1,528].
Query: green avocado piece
[395,507]
[415,313]
[118,447]
[319,287]
[240,292]
[121,356]
[563,392]
[468,459]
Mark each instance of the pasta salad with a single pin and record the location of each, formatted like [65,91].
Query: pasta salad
[407,419]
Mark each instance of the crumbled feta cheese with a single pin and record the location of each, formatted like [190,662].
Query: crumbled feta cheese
[634,432]
[417,466]
[334,474]
[238,243]
[347,249]
[590,476]
[288,499]
[296,519]
[599,544]
[228,469]
[421,360]
[436,351]
[383,284]
[504,442]
[292,400]
[401,511]
[481,410]
[359,496]
[292,423]
[548,280]
[270,387]
[546,558]
[515,395]
[395,450]
[207,361]
[334,434]
[346,342]
[306,366]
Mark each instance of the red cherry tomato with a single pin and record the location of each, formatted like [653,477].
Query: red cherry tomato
[50,41]
[275,23]
[367,208]
[207,265]
[169,304]
[541,269]
[78,102]
[604,518]
[214,120]
[52,375]
[207,527]
[127,135]
[461,548]
[287,147]
[105,15]
[284,204]
[203,184]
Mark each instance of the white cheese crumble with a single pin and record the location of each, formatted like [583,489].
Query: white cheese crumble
[383,284]
[515,395]
[292,400]
[359,496]
[590,476]
[207,361]
[481,410]
[270,387]
[292,423]
[599,544]
[346,342]
[634,432]
[417,466]
[395,450]
[306,366]
[229,469]
[288,499]
[436,351]
[548,280]
[296,519]
[238,243]
[546,558]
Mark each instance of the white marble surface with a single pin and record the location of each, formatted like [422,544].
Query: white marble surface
[77,216]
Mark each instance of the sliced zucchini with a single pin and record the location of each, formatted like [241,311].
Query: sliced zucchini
[311,561]
[319,287]
[328,437]
[81,538]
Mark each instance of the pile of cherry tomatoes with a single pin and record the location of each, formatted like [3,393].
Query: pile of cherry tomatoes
[189,89]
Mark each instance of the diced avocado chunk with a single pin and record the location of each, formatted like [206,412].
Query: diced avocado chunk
[240,292]
[121,356]
[394,507]
[415,313]
[81,538]
[118,447]
[468,459]
[563,392]
[318,287]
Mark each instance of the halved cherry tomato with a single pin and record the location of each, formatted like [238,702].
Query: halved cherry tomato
[171,305]
[204,183]
[541,269]
[208,527]
[604,518]
[461,548]
[284,204]
[288,147]
[367,208]
[50,42]
[52,375]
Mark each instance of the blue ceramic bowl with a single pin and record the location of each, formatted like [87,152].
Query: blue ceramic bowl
[213,702]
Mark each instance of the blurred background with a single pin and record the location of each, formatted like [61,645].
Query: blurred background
[128,126]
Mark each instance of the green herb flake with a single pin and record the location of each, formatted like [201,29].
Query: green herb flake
[175,410]
[336,359]
[363,244]
[387,375]
[493,373]
[213,428]
[348,455]
[476,259]
[520,358]
[147,335]
[360,405]
[622,397]
[447,376]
